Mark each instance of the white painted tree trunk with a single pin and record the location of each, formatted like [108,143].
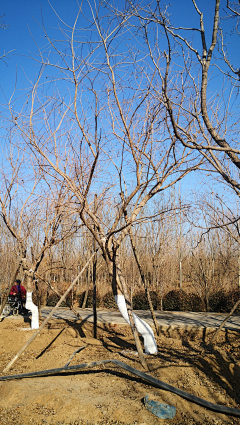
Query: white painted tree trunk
[142,327]
[34,310]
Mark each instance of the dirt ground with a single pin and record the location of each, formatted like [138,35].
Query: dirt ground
[108,394]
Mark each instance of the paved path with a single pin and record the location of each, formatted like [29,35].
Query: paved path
[164,319]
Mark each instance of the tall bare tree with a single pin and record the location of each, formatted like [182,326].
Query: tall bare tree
[106,132]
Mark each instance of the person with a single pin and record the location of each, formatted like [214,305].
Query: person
[19,290]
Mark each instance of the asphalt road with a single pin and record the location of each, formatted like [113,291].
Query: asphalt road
[165,319]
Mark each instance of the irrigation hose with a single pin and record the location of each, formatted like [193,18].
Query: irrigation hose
[160,384]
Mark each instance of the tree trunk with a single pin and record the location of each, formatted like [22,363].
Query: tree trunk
[95,279]
[145,283]
[88,285]
[29,276]
[120,288]
[151,308]
[38,300]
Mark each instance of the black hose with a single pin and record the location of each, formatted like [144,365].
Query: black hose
[75,352]
[215,407]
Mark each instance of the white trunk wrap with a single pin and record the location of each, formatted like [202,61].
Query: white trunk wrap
[33,308]
[143,328]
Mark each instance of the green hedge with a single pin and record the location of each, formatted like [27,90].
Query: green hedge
[140,301]
[175,300]
[232,297]
[195,303]
[219,302]
[223,302]
[179,300]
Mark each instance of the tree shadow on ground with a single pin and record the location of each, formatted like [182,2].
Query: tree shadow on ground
[212,361]
[50,344]
[218,368]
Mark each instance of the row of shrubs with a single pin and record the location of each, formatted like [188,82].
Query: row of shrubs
[179,300]
[219,302]
[175,300]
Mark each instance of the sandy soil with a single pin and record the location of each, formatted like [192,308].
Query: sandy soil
[108,394]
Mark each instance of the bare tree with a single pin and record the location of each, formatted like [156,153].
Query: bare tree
[32,211]
[106,132]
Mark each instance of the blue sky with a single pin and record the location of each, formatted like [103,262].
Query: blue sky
[24,20]
[22,17]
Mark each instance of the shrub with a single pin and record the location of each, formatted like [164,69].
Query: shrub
[231,297]
[176,300]
[89,302]
[140,301]
[53,299]
[195,303]
[218,302]
[108,300]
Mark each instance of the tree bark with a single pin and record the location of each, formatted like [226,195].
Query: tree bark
[38,300]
